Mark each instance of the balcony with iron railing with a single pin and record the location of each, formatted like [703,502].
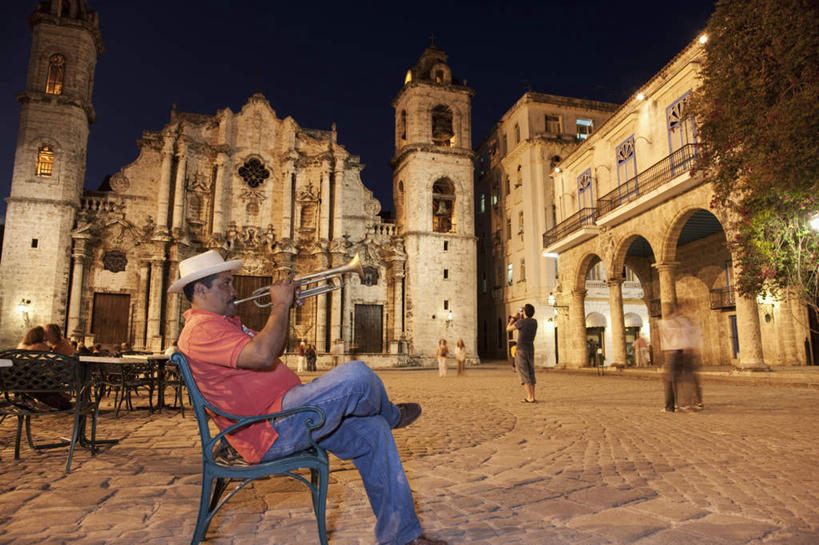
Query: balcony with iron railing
[666,178]
[723,298]
[649,187]
[580,226]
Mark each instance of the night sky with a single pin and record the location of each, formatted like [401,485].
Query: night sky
[342,62]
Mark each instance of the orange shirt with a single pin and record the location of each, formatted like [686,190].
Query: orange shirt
[212,344]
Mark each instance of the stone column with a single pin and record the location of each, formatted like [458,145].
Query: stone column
[577,330]
[788,330]
[288,167]
[75,323]
[141,319]
[398,304]
[324,216]
[179,193]
[750,341]
[163,199]
[155,295]
[174,299]
[618,326]
[335,316]
[346,321]
[668,286]
[220,189]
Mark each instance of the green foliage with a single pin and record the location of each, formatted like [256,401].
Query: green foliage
[758,114]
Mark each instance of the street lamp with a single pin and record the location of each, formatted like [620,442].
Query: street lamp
[23,308]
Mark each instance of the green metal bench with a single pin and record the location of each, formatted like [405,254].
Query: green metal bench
[222,465]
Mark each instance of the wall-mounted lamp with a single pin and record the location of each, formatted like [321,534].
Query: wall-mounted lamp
[641,96]
[449,318]
[23,307]
[703,38]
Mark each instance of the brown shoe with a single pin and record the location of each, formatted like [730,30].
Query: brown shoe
[409,414]
[421,540]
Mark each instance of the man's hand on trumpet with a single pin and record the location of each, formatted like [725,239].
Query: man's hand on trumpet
[283,292]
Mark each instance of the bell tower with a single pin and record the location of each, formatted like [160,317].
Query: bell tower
[434,206]
[49,166]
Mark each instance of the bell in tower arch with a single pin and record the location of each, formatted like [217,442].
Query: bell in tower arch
[442,132]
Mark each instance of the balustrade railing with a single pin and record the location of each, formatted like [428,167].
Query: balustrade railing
[722,298]
[650,179]
[581,218]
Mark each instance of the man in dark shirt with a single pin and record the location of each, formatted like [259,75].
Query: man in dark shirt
[525,348]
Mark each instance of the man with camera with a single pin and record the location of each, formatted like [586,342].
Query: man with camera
[525,348]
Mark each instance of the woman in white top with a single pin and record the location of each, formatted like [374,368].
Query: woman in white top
[460,356]
[441,354]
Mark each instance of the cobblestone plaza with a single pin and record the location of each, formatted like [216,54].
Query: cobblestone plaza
[593,462]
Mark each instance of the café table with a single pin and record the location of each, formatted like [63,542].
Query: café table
[86,367]
[5,363]
[160,361]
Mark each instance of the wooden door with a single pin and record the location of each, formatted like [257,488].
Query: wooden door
[109,319]
[252,316]
[368,328]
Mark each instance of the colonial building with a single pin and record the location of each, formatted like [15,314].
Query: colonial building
[250,184]
[515,205]
[630,209]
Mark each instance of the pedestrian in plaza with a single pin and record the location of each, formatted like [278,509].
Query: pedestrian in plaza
[56,342]
[641,353]
[441,353]
[310,355]
[301,357]
[240,371]
[460,356]
[680,339]
[526,327]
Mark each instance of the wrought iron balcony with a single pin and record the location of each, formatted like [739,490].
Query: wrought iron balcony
[581,218]
[650,179]
[723,298]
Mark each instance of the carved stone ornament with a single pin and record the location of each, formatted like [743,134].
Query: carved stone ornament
[370,276]
[373,207]
[114,261]
[119,183]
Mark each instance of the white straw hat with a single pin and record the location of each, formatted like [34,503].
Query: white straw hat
[200,266]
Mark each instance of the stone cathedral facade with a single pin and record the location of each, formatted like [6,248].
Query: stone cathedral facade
[283,198]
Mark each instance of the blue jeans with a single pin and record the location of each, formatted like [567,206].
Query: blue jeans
[358,427]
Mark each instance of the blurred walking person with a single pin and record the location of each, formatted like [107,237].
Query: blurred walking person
[680,339]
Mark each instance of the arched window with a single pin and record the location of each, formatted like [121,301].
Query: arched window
[56,74]
[442,133]
[45,161]
[443,206]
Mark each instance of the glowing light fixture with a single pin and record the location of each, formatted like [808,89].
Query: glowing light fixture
[703,38]
[641,96]
[814,223]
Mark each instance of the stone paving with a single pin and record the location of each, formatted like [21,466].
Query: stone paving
[594,462]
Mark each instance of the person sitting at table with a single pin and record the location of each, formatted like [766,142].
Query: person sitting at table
[240,371]
[35,339]
[56,342]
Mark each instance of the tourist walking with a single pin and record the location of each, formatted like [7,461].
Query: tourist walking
[460,356]
[441,353]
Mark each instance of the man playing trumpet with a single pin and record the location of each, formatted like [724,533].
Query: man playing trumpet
[239,371]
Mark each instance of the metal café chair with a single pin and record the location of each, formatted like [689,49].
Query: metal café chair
[222,465]
[43,383]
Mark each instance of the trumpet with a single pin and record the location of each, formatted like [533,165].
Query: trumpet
[354,265]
